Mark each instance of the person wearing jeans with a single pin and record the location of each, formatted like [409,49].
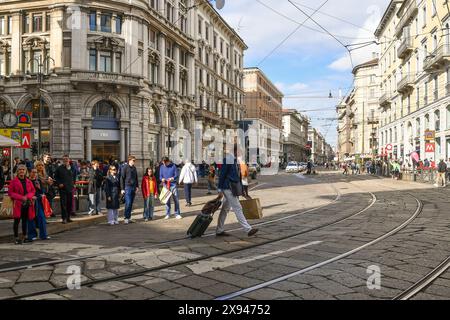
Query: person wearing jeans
[149,189]
[168,174]
[65,181]
[230,173]
[188,176]
[95,188]
[129,183]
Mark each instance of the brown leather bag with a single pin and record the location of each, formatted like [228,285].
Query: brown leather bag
[212,206]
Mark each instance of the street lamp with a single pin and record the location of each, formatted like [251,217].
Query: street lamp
[40,78]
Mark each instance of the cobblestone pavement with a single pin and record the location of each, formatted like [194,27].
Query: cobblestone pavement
[329,215]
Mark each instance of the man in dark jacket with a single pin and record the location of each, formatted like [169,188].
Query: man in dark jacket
[129,185]
[442,170]
[95,188]
[65,181]
[230,173]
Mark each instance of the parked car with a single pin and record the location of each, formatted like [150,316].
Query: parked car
[292,167]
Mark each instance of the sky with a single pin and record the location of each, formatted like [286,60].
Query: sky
[308,63]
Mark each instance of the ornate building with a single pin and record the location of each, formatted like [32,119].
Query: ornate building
[116,78]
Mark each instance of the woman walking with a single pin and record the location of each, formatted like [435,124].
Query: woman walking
[149,189]
[112,191]
[21,191]
[39,185]
[244,178]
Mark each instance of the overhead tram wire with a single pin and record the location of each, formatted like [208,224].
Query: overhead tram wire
[291,34]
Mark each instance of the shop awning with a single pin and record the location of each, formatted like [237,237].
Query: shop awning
[6,142]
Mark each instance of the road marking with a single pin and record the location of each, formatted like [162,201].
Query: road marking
[222,262]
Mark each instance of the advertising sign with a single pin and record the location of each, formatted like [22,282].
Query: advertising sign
[24,119]
[430,135]
[14,134]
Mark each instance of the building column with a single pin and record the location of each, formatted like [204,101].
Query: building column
[191,75]
[177,69]
[16,43]
[162,64]
[89,143]
[122,144]
[56,36]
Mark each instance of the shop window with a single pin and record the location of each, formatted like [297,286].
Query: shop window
[104,110]
[33,106]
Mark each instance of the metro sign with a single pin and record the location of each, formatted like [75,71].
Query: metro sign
[26,140]
[389,148]
[430,147]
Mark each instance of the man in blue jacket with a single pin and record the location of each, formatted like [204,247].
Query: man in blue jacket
[130,186]
[230,172]
[168,174]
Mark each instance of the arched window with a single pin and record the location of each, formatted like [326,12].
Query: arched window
[437,120]
[427,122]
[154,116]
[185,122]
[418,129]
[104,110]
[172,120]
[33,106]
[4,108]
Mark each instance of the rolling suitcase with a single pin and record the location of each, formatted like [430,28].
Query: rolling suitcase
[203,220]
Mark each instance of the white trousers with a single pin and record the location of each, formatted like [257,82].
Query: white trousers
[230,201]
[113,215]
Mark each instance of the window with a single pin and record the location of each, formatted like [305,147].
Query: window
[5,63]
[448,117]
[152,38]
[119,24]
[105,62]
[93,60]
[105,22]
[104,109]
[37,22]
[424,16]
[154,116]
[437,120]
[215,41]
[33,106]
[48,20]
[118,66]
[433,9]
[418,130]
[2,26]
[93,21]
[207,31]
[26,23]
[200,21]
[427,122]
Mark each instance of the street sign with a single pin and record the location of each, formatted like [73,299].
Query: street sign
[6,153]
[389,148]
[430,135]
[26,140]
[430,147]
[24,119]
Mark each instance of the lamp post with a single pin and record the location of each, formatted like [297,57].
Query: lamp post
[40,78]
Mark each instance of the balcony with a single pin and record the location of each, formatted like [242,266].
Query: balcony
[227,122]
[385,100]
[405,48]
[98,77]
[408,15]
[205,114]
[406,84]
[437,58]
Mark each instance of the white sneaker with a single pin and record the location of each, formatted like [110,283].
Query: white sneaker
[125,221]
[111,223]
[91,211]
[179,217]
[436,185]
[166,217]
[116,222]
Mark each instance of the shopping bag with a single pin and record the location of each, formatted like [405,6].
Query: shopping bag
[46,206]
[165,195]
[6,210]
[252,209]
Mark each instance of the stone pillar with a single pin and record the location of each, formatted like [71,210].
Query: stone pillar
[56,36]
[162,64]
[177,69]
[122,144]
[88,144]
[191,75]
[79,48]
[16,43]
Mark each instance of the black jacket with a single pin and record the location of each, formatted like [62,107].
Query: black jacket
[129,177]
[112,190]
[66,177]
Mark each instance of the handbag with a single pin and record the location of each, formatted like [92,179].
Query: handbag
[7,207]
[166,194]
[236,187]
[46,206]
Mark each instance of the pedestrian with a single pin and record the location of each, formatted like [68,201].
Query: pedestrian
[50,173]
[95,188]
[345,167]
[448,169]
[21,191]
[130,186]
[65,180]
[230,175]
[149,188]
[211,179]
[112,191]
[442,170]
[244,177]
[169,175]
[188,176]
[40,186]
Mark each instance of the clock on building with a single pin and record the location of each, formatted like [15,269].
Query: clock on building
[10,120]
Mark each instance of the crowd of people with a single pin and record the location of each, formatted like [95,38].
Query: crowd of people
[34,184]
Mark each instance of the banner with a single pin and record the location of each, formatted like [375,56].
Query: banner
[24,119]
[14,134]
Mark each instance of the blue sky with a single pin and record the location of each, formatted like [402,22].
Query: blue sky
[310,63]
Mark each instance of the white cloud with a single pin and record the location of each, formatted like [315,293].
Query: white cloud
[291,88]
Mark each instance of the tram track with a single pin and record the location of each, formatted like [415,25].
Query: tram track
[206,257]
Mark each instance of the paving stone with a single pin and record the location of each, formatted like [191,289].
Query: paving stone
[169,274]
[5,293]
[86,293]
[332,287]
[160,285]
[307,279]
[95,264]
[61,280]
[122,269]
[239,269]
[6,283]
[220,289]
[31,287]
[112,286]
[184,293]
[353,296]
[289,286]
[427,296]
[438,290]
[138,280]
[136,293]
[267,294]
[99,274]
[195,282]
[312,294]
[231,278]
[50,296]
[34,276]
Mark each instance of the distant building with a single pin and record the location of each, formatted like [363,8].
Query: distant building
[295,136]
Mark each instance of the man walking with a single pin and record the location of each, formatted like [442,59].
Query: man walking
[230,174]
[168,174]
[188,176]
[95,188]
[129,185]
[65,181]
[448,169]
[442,171]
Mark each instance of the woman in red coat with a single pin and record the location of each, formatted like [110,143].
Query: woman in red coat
[21,191]
[149,189]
